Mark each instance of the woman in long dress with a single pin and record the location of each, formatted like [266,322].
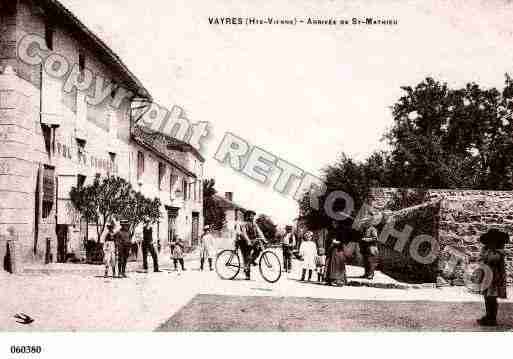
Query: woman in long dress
[338,235]
[308,252]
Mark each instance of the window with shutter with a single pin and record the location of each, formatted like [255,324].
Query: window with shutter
[48,190]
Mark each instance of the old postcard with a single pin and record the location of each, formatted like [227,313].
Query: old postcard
[285,166]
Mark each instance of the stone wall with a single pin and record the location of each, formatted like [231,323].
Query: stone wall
[464,215]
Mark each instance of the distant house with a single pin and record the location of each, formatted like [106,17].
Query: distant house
[233,211]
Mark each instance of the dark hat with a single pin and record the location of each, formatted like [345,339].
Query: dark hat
[494,236]
[288,226]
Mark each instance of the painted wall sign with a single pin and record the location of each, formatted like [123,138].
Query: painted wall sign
[82,158]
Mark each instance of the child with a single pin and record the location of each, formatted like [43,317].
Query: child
[320,264]
[207,248]
[177,248]
[492,255]
[308,251]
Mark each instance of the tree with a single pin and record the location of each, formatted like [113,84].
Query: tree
[349,176]
[100,201]
[214,215]
[111,197]
[267,226]
[140,209]
[452,138]
[440,138]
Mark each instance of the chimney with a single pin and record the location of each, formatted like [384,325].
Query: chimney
[228,196]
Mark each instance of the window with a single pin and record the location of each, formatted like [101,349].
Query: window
[173,179]
[47,135]
[112,164]
[112,121]
[80,181]
[140,165]
[162,172]
[81,61]
[185,189]
[81,149]
[49,33]
[47,209]
[48,190]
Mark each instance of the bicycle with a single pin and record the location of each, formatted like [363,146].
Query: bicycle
[228,264]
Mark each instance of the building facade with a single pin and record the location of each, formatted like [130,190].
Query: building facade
[52,139]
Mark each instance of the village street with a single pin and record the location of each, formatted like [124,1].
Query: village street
[81,299]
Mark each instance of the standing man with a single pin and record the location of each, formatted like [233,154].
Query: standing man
[123,244]
[147,246]
[369,248]
[287,245]
[109,250]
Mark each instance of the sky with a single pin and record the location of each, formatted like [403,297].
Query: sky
[304,93]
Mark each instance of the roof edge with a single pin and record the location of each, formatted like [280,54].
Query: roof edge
[141,90]
[163,156]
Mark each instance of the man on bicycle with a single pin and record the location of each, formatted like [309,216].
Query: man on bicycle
[250,239]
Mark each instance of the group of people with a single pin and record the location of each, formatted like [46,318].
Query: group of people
[329,262]
[116,249]
[332,267]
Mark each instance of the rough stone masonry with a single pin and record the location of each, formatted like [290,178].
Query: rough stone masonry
[462,217]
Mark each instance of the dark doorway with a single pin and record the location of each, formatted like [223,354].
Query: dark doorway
[62,242]
[172,214]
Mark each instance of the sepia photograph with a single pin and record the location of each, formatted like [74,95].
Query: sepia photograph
[255,167]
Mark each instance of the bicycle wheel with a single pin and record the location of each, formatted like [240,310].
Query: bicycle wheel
[227,264]
[270,266]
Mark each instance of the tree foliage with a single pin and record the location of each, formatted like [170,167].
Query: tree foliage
[267,226]
[440,138]
[140,209]
[352,177]
[110,197]
[452,138]
[213,214]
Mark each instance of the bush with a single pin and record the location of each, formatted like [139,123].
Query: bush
[94,252]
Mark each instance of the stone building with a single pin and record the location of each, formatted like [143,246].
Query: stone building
[172,171]
[234,213]
[53,137]
[456,219]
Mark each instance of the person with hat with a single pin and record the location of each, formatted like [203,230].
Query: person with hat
[369,246]
[123,244]
[339,235]
[207,247]
[249,242]
[287,244]
[147,246]
[493,258]
[109,250]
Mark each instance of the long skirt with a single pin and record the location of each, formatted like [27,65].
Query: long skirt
[336,266]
